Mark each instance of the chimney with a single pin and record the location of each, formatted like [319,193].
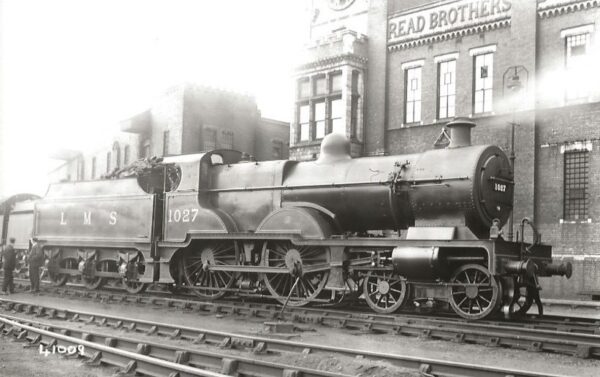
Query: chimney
[460,133]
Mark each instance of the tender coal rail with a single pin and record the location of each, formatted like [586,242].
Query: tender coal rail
[228,364]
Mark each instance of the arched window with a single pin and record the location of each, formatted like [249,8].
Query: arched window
[117,154]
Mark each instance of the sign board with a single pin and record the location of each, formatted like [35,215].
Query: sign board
[444,17]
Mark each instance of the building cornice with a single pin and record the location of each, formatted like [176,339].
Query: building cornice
[552,8]
[330,60]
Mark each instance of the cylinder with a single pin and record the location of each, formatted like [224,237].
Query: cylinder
[416,262]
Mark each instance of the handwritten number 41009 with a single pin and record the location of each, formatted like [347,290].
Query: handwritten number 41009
[62,350]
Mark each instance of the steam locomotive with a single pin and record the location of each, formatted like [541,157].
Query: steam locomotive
[390,229]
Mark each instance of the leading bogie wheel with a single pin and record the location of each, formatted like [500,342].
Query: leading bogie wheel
[474,292]
[385,292]
[295,259]
[203,281]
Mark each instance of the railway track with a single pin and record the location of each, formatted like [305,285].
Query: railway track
[134,355]
[555,335]
[184,301]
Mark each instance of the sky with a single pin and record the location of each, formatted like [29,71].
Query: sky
[70,70]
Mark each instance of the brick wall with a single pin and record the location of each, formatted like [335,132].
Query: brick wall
[556,128]
[551,80]
[223,111]
[167,114]
[376,82]
[269,132]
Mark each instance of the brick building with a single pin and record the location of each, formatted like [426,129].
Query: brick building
[185,119]
[390,74]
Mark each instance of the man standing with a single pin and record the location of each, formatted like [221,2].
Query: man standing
[9,266]
[36,260]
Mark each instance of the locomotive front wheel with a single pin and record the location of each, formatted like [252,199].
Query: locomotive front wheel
[59,279]
[474,293]
[295,258]
[134,287]
[385,293]
[196,269]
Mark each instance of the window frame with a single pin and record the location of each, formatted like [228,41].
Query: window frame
[407,72]
[575,94]
[439,91]
[227,139]
[319,121]
[576,176]
[205,142]
[307,123]
[483,111]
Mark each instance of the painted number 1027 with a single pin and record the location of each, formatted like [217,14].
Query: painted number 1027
[182,215]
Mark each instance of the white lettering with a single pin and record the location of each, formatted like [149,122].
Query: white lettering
[87,218]
[177,215]
[62,219]
[183,215]
[112,218]
[442,18]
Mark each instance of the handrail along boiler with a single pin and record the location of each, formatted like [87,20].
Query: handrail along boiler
[215,223]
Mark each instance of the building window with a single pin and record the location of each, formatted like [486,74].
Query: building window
[320,83]
[126,155]
[304,122]
[166,143]
[210,139]
[412,93]
[108,156]
[577,75]
[227,139]
[93,167]
[303,88]
[484,76]
[446,89]
[277,149]
[323,112]
[577,168]
[336,82]
[336,110]
[319,120]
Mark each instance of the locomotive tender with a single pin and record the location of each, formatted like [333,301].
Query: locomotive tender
[216,224]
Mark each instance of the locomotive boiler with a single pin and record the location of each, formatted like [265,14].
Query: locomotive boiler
[388,228]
